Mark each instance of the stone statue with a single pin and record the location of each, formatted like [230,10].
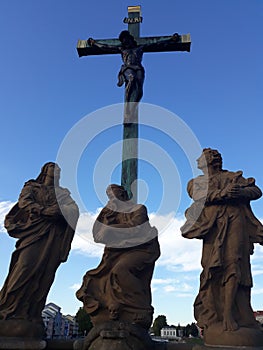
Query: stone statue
[221,216]
[43,221]
[118,290]
[132,72]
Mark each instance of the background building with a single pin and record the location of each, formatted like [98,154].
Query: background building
[171,333]
[58,326]
[259,316]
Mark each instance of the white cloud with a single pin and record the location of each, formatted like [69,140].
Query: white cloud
[75,286]
[83,240]
[258,254]
[172,286]
[4,209]
[169,288]
[177,253]
[257,291]
[257,270]
[161,281]
[184,295]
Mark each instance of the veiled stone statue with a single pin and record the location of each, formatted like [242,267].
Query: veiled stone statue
[118,290]
[222,217]
[43,220]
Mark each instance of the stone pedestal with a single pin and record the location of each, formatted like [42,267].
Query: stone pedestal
[23,329]
[21,334]
[16,343]
[205,347]
[60,344]
[242,337]
[116,335]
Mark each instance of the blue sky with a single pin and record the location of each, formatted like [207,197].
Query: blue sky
[47,91]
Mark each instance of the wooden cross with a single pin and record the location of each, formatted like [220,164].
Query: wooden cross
[132,72]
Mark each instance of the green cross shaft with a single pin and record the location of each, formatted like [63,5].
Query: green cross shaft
[130,130]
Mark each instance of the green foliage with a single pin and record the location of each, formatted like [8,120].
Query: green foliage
[158,324]
[187,330]
[194,341]
[84,321]
[194,330]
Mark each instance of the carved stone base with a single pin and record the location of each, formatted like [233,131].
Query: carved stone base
[204,347]
[116,335]
[21,343]
[142,318]
[21,329]
[244,337]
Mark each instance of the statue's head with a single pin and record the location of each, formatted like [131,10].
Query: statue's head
[49,169]
[209,157]
[127,39]
[116,191]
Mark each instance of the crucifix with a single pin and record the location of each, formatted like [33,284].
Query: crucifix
[131,47]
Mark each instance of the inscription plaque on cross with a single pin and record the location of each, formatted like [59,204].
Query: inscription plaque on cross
[131,48]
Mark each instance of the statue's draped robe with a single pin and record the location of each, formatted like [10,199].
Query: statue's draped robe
[43,243]
[229,230]
[124,275]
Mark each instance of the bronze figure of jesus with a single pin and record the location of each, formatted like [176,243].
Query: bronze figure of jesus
[132,72]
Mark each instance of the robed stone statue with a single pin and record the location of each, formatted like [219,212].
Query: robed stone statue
[43,221]
[222,217]
[117,292]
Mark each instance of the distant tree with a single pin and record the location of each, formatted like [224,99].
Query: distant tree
[194,330]
[187,330]
[84,321]
[180,330]
[158,324]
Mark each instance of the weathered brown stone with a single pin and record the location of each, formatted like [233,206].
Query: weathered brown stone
[119,288]
[221,216]
[43,221]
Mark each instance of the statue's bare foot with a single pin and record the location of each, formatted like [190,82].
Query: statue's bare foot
[229,324]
